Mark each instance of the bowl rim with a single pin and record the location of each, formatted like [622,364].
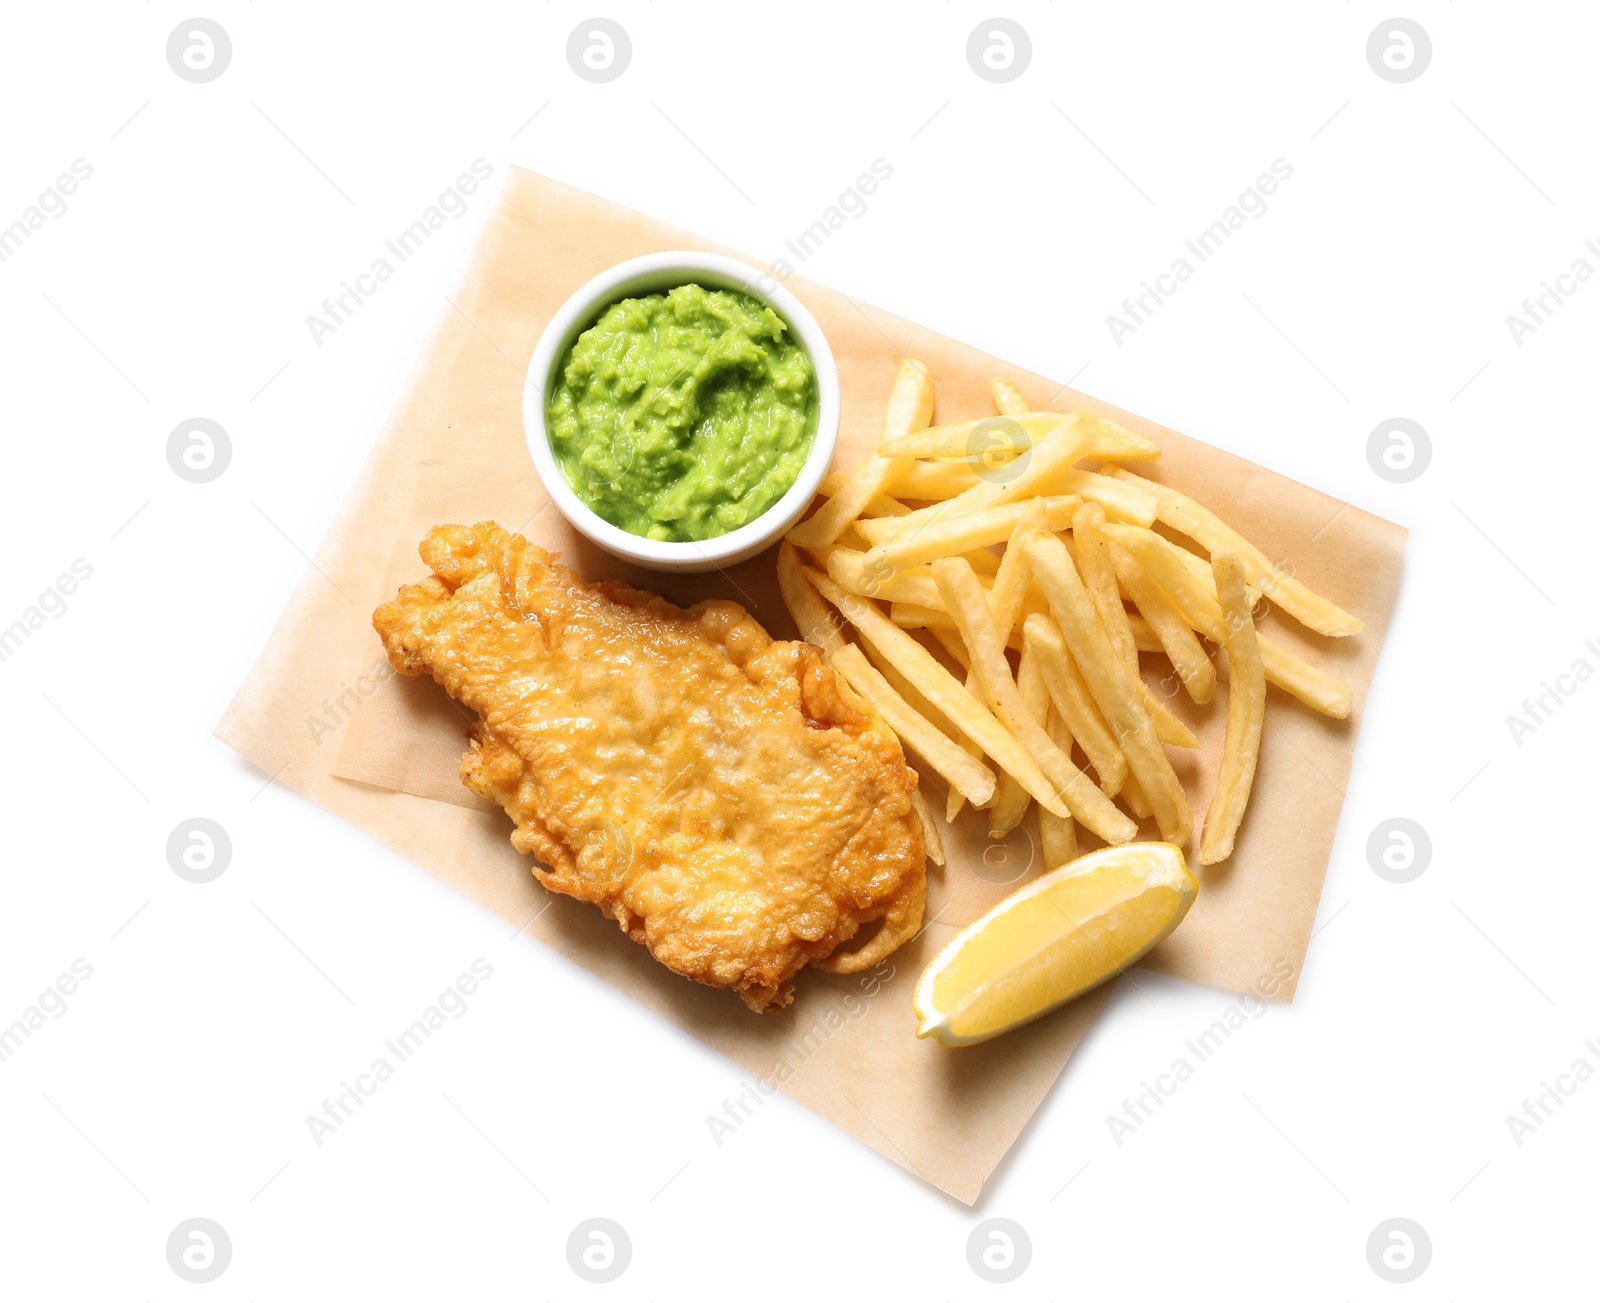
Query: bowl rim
[649,274]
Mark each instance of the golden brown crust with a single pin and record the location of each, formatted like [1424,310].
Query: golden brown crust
[718,794]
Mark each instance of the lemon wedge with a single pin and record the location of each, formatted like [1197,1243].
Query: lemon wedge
[1052,940]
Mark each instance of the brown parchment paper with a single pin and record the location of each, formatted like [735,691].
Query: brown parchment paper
[321,710]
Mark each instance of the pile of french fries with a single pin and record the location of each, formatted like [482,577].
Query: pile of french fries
[987,537]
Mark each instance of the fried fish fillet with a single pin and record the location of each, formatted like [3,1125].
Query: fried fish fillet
[722,796]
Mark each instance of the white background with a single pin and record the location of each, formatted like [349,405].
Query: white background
[178,283]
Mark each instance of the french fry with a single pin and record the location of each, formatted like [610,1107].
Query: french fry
[936,619]
[815,619]
[884,505]
[818,620]
[1078,581]
[888,501]
[1136,508]
[1135,447]
[930,678]
[1183,649]
[1058,836]
[899,547]
[848,569]
[1070,696]
[913,615]
[1110,684]
[898,681]
[1008,399]
[950,640]
[1049,457]
[1200,568]
[1002,520]
[1137,802]
[967,602]
[1188,517]
[1169,728]
[974,779]
[1012,580]
[936,481]
[1163,562]
[910,409]
[959,442]
[912,697]
[952,807]
[851,538]
[1005,600]
[985,562]
[834,482]
[1112,442]
[1144,637]
[954,801]
[931,840]
[819,556]
[1100,578]
[1247,706]
[1012,803]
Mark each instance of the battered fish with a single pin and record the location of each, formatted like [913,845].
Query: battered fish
[722,796]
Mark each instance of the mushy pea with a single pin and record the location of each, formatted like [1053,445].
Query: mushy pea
[683,415]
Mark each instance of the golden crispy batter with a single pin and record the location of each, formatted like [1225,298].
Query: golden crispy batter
[718,794]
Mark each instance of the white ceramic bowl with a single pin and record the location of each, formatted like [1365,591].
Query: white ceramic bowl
[647,275]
